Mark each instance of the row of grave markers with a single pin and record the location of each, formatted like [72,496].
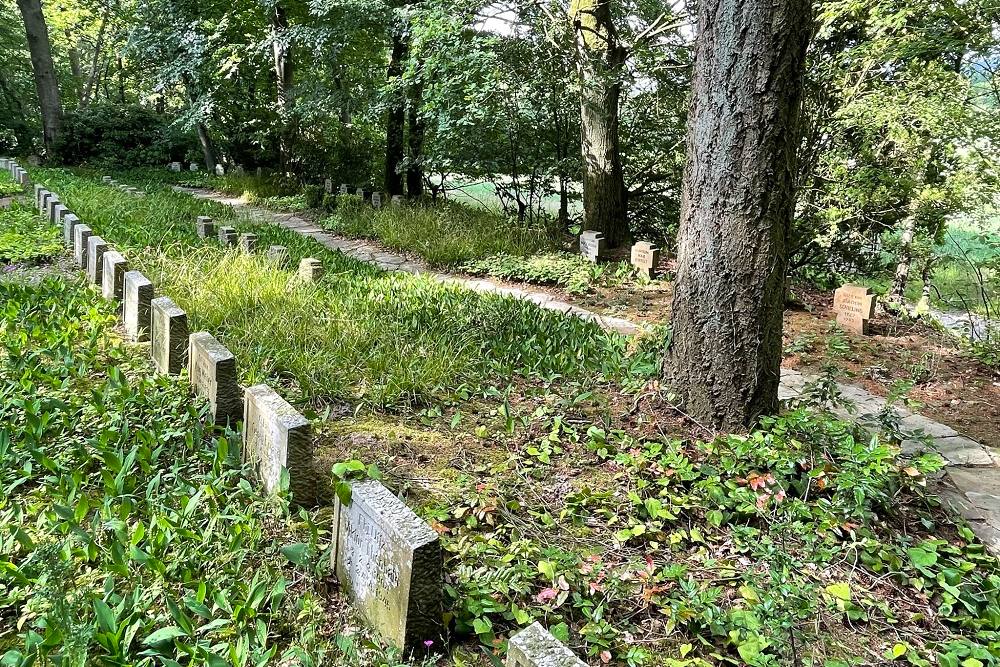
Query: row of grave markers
[386,558]
[645,256]
[376,199]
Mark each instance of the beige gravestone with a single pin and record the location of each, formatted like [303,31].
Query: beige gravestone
[645,258]
[212,372]
[169,336]
[390,563]
[592,245]
[81,234]
[310,269]
[854,306]
[96,247]
[534,646]
[137,310]
[276,436]
[113,276]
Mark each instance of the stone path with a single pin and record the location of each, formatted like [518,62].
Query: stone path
[969,484]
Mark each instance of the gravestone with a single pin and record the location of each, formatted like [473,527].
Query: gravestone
[310,269]
[175,166]
[343,188]
[212,371]
[38,192]
[220,170]
[389,562]
[169,336]
[96,247]
[81,234]
[193,166]
[328,186]
[592,245]
[206,227]
[377,200]
[5,202]
[854,306]
[106,179]
[113,275]
[227,236]
[278,254]
[137,309]
[58,212]
[397,200]
[69,222]
[534,646]
[645,258]
[276,436]
[46,198]
[248,242]
[50,211]
[360,192]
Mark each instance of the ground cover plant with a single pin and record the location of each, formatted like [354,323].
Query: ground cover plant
[23,240]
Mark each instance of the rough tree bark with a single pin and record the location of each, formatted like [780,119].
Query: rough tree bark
[46,85]
[600,62]
[723,361]
[415,142]
[284,72]
[395,117]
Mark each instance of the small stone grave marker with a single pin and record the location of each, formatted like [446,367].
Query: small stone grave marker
[5,202]
[43,202]
[397,200]
[278,254]
[389,561]
[137,308]
[343,188]
[227,236]
[69,222]
[377,200]
[105,179]
[113,275]
[206,227]
[212,371]
[96,247]
[645,258]
[310,269]
[854,306]
[169,336]
[38,193]
[175,166]
[276,436]
[248,242]
[220,170]
[360,192]
[50,210]
[81,234]
[58,213]
[592,245]
[534,646]
[194,166]
[328,186]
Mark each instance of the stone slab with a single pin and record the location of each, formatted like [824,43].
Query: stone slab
[212,372]
[69,222]
[81,234]
[592,245]
[646,258]
[227,236]
[205,227]
[169,336]
[276,436]
[96,247]
[389,562]
[137,311]
[534,646]
[310,269]
[113,276]
[854,306]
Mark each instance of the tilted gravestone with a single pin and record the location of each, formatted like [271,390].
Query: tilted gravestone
[206,227]
[377,200]
[113,276]
[137,310]
[212,371]
[70,221]
[534,646]
[645,258]
[169,336]
[248,242]
[592,245]
[227,236]
[310,269]
[96,247]
[854,306]
[389,562]
[81,233]
[276,436]
[278,254]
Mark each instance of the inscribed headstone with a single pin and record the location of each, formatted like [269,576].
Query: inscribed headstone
[592,245]
[854,306]
[113,276]
[212,371]
[534,646]
[276,436]
[81,233]
[645,258]
[169,336]
[96,247]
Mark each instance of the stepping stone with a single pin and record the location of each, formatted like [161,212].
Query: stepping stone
[918,424]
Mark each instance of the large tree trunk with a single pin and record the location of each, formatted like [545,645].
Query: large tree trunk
[46,85]
[600,62]
[724,357]
[395,117]
[415,140]
[284,72]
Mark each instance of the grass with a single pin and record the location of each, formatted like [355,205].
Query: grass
[361,336]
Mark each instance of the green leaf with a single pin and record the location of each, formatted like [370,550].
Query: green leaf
[547,568]
[164,635]
[297,553]
[561,632]
[106,620]
[840,590]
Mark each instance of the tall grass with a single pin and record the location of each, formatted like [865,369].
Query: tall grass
[386,340]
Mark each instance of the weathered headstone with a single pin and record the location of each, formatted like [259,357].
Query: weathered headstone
[397,200]
[194,166]
[220,170]
[113,275]
[175,166]
[389,562]
[212,371]
[81,234]
[105,179]
[50,211]
[377,199]
[206,227]
[70,220]
[854,306]
[328,186]
[592,245]
[278,254]
[96,247]
[169,336]
[38,193]
[645,258]
[227,236]
[310,269]
[276,436]
[137,310]
[534,646]
[248,242]
[343,188]
[360,192]
[44,204]
[58,213]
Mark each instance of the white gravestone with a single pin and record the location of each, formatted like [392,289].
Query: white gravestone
[276,436]
[534,646]
[592,245]
[212,372]
[113,276]
[81,233]
[137,310]
[169,336]
[96,247]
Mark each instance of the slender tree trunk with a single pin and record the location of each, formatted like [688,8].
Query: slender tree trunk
[724,357]
[95,69]
[74,63]
[897,293]
[395,117]
[121,81]
[284,71]
[415,139]
[600,63]
[207,148]
[46,85]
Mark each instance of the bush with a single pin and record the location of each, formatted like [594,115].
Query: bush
[23,239]
[314,196]
[120,136]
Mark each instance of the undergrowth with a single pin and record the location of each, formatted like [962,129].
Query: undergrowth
[23,239]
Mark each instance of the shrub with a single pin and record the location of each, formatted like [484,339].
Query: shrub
[314,196]
[23,239]
[121,136]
